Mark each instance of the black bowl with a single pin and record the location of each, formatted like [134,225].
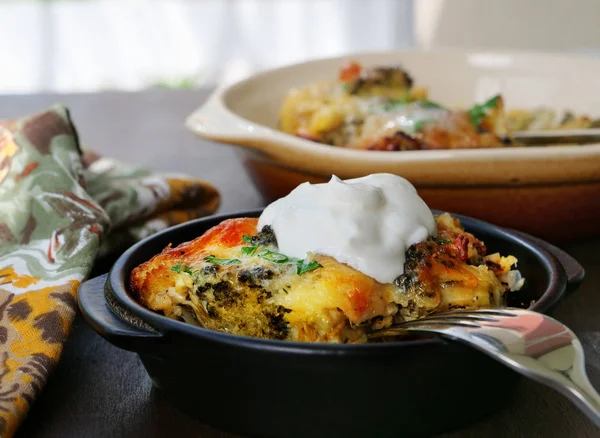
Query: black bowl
[258,387]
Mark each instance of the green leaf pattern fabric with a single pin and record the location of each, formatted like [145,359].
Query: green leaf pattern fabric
[60,209]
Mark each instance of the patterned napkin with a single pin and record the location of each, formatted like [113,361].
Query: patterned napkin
[60,209]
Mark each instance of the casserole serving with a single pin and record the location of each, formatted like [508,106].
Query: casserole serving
[549,191]
[381,109]
[259,387]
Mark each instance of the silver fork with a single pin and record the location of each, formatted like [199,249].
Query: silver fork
[530,343]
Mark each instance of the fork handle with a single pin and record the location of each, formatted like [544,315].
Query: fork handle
[579,389]
[573,384]
[583,396]
[576,386]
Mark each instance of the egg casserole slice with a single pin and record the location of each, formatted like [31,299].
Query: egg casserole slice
[233,279]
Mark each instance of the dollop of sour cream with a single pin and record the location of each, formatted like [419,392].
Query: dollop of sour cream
[367,223]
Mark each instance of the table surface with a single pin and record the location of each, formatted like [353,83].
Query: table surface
[98,390]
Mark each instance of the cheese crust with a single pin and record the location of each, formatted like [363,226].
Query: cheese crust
[360,108]
[229,280]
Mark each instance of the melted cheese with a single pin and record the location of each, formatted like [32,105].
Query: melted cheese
[334,303]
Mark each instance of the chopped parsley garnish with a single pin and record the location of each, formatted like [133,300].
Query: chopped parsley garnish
[249,250]
[304,266]
[254,242]
[440,241]
[419,124]
[478,112]
[390,106]
[274,257]
[212,259]
[429,104]
[394,104]
[398,104]
[184,268]
[285,290]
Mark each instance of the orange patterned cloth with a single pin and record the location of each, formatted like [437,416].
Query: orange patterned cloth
[60,209]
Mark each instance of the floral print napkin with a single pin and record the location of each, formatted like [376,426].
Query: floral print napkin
[61,209]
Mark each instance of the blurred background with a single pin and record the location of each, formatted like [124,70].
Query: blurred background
[93,45]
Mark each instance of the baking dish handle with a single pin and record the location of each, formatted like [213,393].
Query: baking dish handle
[214,121]
[575,272]
[96,311]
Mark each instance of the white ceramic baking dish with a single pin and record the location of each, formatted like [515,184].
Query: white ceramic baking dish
[550,191]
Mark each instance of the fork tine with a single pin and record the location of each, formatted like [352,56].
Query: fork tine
[405,328]
[438,321]
[455,318]
[495,312]
[459,316]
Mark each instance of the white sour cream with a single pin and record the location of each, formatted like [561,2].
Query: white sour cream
[406,119]
[367,223]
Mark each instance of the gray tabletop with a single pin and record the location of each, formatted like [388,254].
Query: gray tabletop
[98,390]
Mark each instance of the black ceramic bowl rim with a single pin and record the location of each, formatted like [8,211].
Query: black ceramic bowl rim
[118,280]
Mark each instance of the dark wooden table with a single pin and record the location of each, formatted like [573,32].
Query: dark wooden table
[98,390]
